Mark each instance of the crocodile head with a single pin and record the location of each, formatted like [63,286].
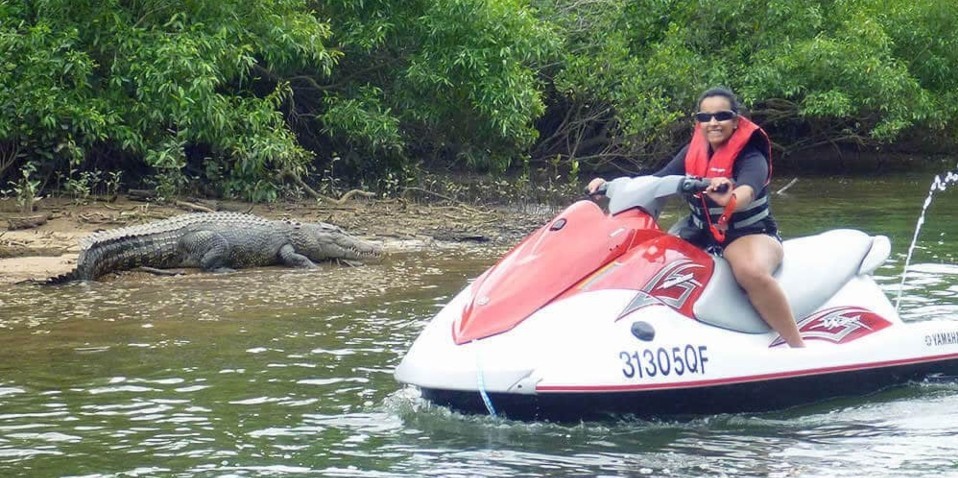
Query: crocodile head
[326,242]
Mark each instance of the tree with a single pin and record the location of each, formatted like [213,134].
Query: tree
[813,71]
[438,81]
[168,84]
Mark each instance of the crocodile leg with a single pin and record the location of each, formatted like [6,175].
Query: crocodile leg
[209,249]
[288,256]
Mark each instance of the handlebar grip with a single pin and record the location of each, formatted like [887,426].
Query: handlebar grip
[600,191]
[693,185]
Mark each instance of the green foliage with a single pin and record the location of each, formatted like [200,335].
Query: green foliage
[153,79]
[26,188]
[848,72]
[445,81]
[81,185]
[481,51]
[362,120]
[239,95]
[813,71]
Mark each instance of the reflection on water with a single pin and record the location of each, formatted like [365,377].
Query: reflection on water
[285,372]
[930,292]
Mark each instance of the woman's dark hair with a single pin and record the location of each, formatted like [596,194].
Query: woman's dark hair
[723,92]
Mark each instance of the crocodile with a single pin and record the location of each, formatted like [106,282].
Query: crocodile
[215,242]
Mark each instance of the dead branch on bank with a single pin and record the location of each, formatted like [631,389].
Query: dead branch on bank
[141,194]
[349,195]
[189,206]
[315,195]
[27,222]
[460,204]
[150,195]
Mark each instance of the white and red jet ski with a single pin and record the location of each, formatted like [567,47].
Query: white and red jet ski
[596,315]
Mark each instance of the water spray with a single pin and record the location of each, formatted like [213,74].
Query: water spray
[939,184]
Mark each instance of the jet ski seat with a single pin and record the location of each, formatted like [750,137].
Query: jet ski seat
[813,270]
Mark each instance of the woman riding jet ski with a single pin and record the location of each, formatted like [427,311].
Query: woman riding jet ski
[733,214]
[596,314]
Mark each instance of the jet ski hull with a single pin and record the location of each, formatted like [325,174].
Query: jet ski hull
[764,395]
[595,315]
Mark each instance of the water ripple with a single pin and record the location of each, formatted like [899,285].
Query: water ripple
[279,372]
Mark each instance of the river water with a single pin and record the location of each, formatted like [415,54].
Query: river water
[289,373]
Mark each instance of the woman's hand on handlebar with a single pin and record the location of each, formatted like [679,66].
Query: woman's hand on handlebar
[596,187]
[720,190]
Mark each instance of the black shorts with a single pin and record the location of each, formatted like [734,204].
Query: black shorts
[703,238]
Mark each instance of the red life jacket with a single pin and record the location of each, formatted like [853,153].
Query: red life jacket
[698,163]
[722,163]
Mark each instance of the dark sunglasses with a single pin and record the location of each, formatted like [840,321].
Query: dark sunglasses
[703,117]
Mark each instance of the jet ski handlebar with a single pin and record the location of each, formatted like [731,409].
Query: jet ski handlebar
[692,185]
[599,191]
[688,185]
[648,192]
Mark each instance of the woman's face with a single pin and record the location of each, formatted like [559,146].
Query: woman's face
[715,130]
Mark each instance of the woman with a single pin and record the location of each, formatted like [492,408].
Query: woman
[733,213]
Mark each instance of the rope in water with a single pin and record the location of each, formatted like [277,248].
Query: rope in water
[480,381]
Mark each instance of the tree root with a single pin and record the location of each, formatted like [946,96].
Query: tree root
[315,195]
[460,204]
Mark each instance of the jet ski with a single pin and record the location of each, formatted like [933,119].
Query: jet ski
[598,315]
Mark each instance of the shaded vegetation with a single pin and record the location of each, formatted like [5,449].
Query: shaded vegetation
[814,72]
[234,99]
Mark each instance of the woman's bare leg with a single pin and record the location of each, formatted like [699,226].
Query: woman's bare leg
[753,258]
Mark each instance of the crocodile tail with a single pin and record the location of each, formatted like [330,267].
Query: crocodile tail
[62,278]
[114,254]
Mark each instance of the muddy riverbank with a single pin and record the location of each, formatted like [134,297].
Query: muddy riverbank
[51,248]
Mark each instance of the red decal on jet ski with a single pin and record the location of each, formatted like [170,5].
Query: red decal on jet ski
[839,325]
[673,285]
